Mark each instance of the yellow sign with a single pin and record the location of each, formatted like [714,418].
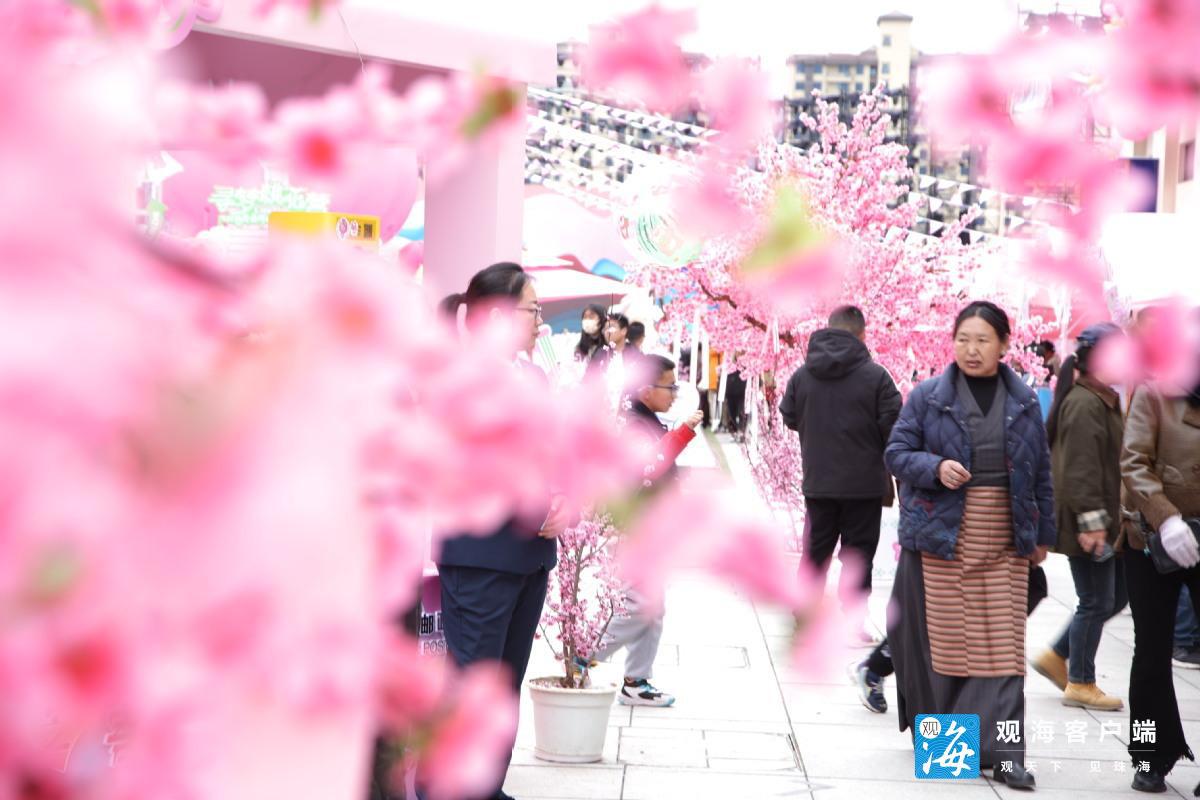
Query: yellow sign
[357,229]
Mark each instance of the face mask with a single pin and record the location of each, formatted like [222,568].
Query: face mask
[591,327]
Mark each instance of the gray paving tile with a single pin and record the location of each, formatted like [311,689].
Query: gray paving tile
[579,783]
[653,783]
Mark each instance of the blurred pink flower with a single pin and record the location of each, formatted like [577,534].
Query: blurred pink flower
[469,744]
[1168,338]
[639,58]
[707,205]
[734,94]
[446,117]
[726,535]
[229,121]
[411,686]
[314,137]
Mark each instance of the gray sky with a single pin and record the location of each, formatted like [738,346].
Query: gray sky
[767,29]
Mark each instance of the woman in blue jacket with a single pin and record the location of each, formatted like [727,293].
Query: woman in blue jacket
[976,513]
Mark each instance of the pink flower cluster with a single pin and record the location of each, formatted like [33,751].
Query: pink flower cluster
[585,594]
[1040,106]
[909,291]
[225,477]
[324,139]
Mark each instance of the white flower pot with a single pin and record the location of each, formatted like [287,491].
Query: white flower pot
[570,724]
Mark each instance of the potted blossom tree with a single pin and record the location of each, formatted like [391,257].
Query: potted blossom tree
[570,714]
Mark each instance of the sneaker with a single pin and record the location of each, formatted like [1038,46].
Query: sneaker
[1051,666]
[870,688]
[1186,657]
[1089,695]
[643,693]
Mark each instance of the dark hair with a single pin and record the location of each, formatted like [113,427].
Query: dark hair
[589,340]
[637,332]
[620,319]
[1084,345]
[1046,346]
[990,313]
[648,370]
[848,318]
[502,280]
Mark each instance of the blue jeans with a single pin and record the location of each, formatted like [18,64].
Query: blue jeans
[1101,592]
[1187,630]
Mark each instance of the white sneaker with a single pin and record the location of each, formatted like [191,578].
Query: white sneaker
[643,693]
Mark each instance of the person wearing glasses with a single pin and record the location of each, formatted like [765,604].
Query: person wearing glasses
[639,629]
[843,405]
[1085,429]
[494,586]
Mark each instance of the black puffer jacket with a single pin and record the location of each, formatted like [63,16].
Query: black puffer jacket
[843,405]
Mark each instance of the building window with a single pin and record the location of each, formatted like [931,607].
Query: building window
[858,87]
[887,68]
[799,86]
[1187,161]
[844,69]
[859,69]
[887,40]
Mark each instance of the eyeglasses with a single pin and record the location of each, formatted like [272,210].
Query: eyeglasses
[673,388]
[535,310]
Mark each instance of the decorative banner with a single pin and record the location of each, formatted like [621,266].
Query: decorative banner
[649,230]
[935,203]
[927,180]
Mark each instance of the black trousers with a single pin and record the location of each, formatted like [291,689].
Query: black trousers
[1153,599]
[491,616]
[856,523]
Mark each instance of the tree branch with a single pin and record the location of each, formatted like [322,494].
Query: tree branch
[784,337]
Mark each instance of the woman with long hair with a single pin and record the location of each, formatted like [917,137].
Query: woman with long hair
[1085,429]
[976,513]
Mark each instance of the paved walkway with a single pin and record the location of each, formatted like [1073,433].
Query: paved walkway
[744,727]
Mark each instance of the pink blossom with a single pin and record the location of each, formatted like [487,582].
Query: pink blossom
[639,57]
[724,534]
[229,121]
[734,95]
[585,593]
[708,205]
[1168,337]
[447,117]
[469,745]
[411,688]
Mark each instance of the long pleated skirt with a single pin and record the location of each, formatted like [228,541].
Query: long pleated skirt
[957,629]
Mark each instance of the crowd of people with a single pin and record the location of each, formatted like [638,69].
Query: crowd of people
[987,488]
[1111,480]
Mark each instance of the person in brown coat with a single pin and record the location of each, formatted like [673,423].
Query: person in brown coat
[1085,430]
[1160,465]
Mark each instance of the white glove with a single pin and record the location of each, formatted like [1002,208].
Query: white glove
[1178,541]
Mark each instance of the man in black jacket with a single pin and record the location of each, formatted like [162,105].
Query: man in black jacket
[843,405]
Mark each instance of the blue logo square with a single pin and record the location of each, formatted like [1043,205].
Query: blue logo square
[946,746]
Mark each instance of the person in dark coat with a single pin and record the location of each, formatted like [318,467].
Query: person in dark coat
[976,512]
[494,586]
[843,405]
[1085,428]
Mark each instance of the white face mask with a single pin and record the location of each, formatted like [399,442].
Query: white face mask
[591,327]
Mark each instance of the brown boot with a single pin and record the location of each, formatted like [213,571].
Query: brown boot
[1088,695]
[1051,666]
